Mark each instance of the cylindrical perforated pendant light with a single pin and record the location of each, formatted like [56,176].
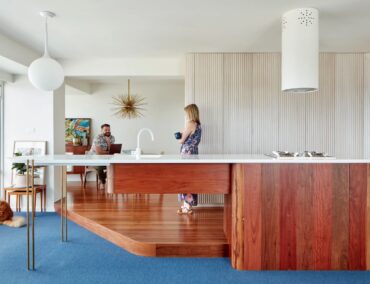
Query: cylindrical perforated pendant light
[300,50]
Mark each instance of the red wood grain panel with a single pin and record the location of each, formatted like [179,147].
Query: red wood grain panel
[368,220]
[305,222]
[171,178]
[288,196]
[227,217]
[270,217]
[321,211]
[340,217]
[282,216]
[238,233]
[322,216]
[357,216]
[253,216]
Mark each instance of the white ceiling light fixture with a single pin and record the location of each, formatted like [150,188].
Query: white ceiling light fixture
[300,50]
[45,73]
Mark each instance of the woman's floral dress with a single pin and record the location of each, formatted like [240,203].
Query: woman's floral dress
[190,147]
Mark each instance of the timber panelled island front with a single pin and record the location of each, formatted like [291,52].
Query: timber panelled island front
[298,214]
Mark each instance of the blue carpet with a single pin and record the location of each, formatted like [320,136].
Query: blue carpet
[87,258]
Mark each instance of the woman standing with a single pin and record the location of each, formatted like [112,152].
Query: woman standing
[190,139]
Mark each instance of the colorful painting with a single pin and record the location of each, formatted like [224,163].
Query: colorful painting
[77,128]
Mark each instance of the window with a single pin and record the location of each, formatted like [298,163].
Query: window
[2,136]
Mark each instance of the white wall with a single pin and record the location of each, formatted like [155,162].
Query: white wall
[164,112]
[31,114]
[58,143]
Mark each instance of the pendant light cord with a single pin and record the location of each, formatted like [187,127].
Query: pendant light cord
[46,51]
[129,89]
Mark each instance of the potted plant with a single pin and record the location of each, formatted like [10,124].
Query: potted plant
[76,140]
[20,179]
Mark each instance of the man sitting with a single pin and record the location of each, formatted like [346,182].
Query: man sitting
[101,146]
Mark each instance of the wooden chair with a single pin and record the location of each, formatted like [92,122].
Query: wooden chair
[77,150]
[90,170]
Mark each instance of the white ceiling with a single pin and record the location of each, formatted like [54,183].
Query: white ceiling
[11,66]
[170,28]
[123,79]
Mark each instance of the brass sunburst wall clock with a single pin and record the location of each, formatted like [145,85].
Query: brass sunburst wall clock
[128,106]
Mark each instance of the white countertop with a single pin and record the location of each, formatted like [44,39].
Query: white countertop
[97,160]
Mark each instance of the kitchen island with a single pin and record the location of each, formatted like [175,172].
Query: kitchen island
[291,214]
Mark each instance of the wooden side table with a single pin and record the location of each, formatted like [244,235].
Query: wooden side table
[22,191]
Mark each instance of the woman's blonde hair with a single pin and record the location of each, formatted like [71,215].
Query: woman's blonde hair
[192,112]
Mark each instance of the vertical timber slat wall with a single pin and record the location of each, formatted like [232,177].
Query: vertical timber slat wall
[244,111]
[367,106]
[237,103]
[209,95]
[320,109]
[266,96]
[349,101]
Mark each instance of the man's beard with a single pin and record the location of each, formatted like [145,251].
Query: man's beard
[107,134]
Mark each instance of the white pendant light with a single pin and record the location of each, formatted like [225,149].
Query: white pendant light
[46,73]
[300,50]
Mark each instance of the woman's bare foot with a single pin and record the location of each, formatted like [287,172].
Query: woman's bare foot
[184,210]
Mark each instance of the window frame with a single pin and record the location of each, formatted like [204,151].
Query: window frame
[2,108]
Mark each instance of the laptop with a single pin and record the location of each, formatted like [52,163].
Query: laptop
[115,149]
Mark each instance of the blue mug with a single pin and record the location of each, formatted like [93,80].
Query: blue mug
[178,135]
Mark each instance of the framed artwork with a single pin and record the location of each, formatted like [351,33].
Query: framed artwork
[34,148]
[26,148]
[77,128]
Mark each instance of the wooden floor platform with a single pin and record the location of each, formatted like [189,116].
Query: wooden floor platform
[147,224]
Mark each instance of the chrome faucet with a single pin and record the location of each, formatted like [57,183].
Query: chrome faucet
[138,150]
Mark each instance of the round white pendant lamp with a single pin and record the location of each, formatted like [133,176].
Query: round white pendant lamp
[45,73]
[300,50]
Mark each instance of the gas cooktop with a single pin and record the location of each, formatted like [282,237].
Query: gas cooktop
[305,154]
